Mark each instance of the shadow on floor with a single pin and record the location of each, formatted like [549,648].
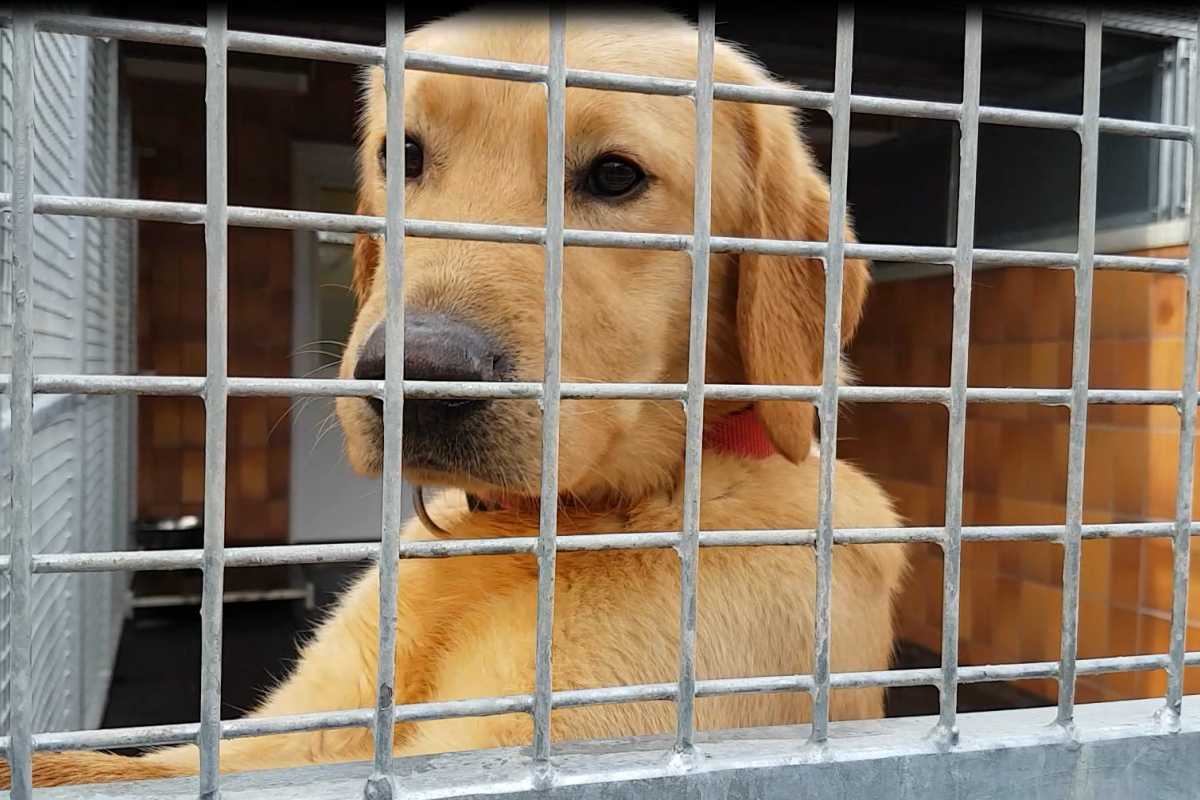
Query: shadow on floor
[156,680]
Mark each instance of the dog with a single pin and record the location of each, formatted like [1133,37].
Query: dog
[475,151]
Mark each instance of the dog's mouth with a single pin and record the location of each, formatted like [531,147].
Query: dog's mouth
[376,405]
[484,494]
[480,447]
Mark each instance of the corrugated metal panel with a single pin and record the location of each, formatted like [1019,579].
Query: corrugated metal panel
[58,241]
[82,301]
[101,413]
[59,293]
[56,465]
[6,349]
[124,361]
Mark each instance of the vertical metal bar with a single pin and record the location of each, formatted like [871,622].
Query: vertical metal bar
[947,730]
[827,402]
[689,546]
[1090,137]
[1187,436]
[556,125]
[381,785]
[20,623]
[216,399]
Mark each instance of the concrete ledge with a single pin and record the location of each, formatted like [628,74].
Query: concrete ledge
[1119,751]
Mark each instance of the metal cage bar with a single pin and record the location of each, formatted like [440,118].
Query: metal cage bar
[284,219]
[1181,541]
[20,749]
[556,133]
[216,387]
[827,400]
[689,545]
[381,785]
[216,398]
[968,149]
[268,555]
[302,387]
[1077,433]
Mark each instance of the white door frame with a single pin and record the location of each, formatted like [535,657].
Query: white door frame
[313,165]
[351,506]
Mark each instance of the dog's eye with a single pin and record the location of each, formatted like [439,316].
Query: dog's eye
[414,158]
[613,178]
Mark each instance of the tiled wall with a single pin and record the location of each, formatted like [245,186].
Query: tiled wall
[1016,462]
[168,132]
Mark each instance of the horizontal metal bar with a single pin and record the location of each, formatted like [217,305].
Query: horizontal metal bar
[286,219]
[180,386]
[341,52]
[280,555]
[156,560]
[185,733]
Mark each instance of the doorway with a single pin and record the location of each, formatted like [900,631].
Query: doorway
[329,501]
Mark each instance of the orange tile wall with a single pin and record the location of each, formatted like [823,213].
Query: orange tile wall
[1015,469]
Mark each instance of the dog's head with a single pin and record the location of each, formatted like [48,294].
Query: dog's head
[476,152]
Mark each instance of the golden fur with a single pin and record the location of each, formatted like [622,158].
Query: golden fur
[466,625]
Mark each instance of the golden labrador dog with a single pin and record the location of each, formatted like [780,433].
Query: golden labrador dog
[476,152]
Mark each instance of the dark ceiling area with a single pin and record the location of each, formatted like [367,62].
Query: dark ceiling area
[909,50]
[912,51]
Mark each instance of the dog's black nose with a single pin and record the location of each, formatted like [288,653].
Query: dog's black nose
[437,347]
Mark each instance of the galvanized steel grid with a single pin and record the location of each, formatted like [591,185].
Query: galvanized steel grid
[217,387]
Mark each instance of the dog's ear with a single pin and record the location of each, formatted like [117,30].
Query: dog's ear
[781,300]
[366,259]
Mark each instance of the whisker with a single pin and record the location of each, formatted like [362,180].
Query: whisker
[300,401]
[337,357]
[331,342]
[329,423]
[316,370]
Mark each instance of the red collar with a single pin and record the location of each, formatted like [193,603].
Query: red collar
[739,434]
